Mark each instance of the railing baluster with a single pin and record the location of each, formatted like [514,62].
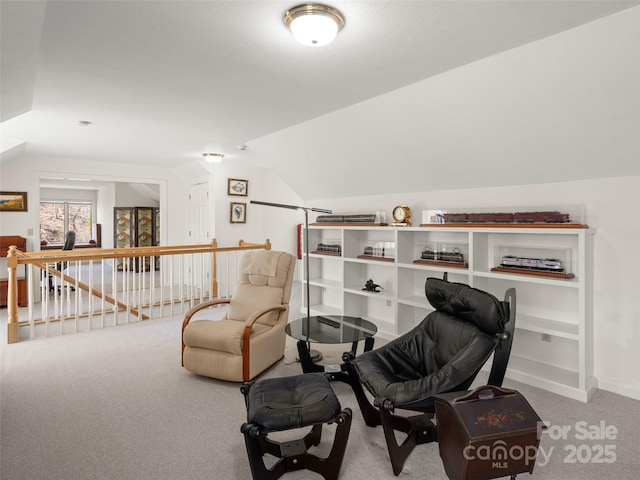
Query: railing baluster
[192,276]
[171,280]
[139,299]
[52,303]
[31,299]
[131,282]
[226,291]
[126,292]
[44,293]
[102,288]
[90,297]
[136,291]
[114,290]
[160,273]
[181,280]
[76,299]
[203,278]
[142,266]
[152,273]
[56,305]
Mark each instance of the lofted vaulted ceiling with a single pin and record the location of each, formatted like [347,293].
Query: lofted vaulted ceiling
[163,81]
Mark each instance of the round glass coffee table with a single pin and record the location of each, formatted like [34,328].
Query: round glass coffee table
[329,329]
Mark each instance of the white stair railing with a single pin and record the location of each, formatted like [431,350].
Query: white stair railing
[80,290]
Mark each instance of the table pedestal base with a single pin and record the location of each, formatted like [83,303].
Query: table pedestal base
[315,356]
[308,359]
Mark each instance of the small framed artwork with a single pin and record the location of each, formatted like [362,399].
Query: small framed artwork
[238,212]
[238,187]
[13,201]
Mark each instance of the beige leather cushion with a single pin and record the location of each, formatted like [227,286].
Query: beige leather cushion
[214,364]
[247,299]
[277,280]
[258,291]
[221,335]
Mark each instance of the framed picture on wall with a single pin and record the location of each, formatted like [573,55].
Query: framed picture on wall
[13,201]
[238,212]
[237,187]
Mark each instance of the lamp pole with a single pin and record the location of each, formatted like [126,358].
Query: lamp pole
[306,249]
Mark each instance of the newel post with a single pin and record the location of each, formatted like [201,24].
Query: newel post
[214,269]
[12,296]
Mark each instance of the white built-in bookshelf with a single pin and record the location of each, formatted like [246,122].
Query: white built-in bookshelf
[553,342]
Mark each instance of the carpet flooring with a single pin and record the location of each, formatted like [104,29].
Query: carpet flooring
[116,404]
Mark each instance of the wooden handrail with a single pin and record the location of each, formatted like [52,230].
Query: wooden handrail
[44,259]
[26,258]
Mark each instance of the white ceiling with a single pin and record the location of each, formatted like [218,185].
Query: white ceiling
[164,81]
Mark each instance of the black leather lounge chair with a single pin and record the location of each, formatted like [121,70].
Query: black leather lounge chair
[444,353]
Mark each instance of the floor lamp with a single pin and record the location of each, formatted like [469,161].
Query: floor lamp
[314,355]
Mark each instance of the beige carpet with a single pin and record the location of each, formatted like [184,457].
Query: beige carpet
[115,404]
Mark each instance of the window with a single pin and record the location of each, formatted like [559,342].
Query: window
[56,218]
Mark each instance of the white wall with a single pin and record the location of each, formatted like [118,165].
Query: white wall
[23,174]
[611,207]
[68,194]
[126,196]
[106,199]
[276,224]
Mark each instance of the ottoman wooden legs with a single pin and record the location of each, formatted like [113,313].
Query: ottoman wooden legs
[288,403]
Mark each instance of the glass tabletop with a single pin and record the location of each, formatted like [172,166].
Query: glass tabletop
[331,329]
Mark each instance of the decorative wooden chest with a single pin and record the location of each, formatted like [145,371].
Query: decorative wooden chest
[487,433]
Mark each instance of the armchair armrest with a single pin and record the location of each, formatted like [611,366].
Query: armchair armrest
[201,306]
[258,313]
[194,310]
[246,344]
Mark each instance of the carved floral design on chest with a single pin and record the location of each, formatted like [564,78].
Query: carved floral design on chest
[502,419]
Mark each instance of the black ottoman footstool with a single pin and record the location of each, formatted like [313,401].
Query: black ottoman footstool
[278,404]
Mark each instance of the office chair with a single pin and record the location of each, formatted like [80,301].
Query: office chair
[69,244]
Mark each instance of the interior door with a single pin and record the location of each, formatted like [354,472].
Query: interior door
[200,226]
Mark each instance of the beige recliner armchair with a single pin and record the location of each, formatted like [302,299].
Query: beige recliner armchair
[250,337]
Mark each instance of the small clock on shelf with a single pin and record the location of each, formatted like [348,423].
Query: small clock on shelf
[401,216]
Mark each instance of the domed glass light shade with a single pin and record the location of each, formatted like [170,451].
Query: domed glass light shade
[313,24]
[213,157]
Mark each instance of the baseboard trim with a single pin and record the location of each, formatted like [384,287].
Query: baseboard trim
[626,390]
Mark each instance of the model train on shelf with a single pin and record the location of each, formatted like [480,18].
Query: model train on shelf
[335,249]
[379,252]
[518,217]
[535,264]
[455,256]
[355,218]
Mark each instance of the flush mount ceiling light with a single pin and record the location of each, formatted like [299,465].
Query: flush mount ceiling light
[213,157]
[314,24]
